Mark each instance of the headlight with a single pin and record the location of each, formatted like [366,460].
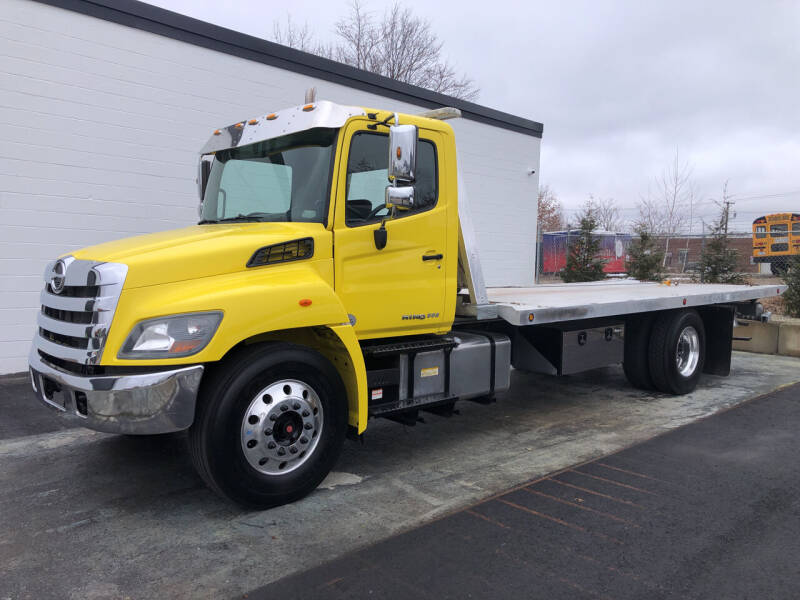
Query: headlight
[171,337]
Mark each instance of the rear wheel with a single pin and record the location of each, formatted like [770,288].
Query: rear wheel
[270,425]
[637,340]
[677,351]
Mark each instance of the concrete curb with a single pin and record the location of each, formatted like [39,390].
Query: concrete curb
[776,337]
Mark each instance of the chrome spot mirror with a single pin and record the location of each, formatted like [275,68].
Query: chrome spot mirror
[401,198]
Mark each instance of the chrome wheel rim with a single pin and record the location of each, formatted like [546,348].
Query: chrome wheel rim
[281,427]
[687,353]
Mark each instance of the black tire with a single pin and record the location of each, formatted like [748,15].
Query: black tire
[216,437]
[637,341]
[663,351]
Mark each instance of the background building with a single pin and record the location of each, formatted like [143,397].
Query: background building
[104,106]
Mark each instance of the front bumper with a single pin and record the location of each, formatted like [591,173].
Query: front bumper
[147,403]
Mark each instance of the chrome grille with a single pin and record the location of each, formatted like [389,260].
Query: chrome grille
[73,323]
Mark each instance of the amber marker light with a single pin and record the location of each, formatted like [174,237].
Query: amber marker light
[185,346]
[217,132]
[252,122]
[272,117]
[530,317]
[239,125]
[305,302]
[308,108]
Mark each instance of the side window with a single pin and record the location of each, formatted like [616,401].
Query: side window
[367,178]
[761,231]
[779,230]
[796,228]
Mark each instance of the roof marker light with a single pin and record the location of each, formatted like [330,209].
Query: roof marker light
[217,132]
[308,108]
[239,125]
[272,117]
[252,122]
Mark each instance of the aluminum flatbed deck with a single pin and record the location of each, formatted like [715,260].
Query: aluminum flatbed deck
[552,303]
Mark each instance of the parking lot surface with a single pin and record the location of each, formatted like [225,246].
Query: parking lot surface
[706,511]
[90,515]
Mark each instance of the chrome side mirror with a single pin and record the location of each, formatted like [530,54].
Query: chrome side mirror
[400,197]
[402,153]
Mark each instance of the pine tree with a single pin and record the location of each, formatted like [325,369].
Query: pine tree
[718,259]
[791,297]
[645,258]
[582,261]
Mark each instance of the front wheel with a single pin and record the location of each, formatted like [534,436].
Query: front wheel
[270,425]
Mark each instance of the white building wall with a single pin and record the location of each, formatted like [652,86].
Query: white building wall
[100,125]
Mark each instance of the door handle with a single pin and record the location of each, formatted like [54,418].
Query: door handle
[432,256]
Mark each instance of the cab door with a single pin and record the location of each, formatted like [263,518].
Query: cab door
[400,289]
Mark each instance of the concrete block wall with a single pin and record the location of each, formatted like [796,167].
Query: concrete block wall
[774,337]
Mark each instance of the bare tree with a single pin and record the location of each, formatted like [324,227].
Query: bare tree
[359,38]
[666,209]
[551,212]
[399,45]
[606,213]
[293,36]
[649,217]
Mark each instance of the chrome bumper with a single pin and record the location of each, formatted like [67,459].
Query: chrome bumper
[149,403]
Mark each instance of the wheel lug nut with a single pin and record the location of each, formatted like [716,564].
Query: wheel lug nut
[251,444]
[307,426]
[273,417]
[293,450]
[284,408]
[281,451]
[306,413]
[304,440]
[296,406]
[268,432]
[271,445]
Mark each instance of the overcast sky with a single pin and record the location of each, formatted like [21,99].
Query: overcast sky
[619,87]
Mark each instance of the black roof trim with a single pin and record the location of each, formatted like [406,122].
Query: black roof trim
[193,31]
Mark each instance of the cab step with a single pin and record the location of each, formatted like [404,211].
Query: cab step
[407,346]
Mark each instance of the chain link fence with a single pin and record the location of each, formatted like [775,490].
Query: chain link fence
[682,253]
[554,248]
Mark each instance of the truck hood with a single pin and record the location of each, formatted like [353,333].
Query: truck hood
[198,251]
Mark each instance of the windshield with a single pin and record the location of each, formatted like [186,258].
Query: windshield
[282,179]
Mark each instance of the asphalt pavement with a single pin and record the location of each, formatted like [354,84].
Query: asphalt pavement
[87,515]
[710,510]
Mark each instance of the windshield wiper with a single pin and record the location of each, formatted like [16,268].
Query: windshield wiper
[240,217]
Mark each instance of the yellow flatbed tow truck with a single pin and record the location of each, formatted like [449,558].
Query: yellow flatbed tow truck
[334,277]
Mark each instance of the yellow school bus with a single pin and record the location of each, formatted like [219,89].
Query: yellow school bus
[776,238]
